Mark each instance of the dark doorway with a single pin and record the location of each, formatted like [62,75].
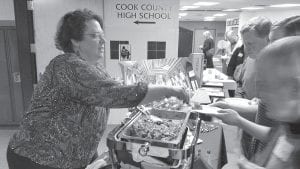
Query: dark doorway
[185,44]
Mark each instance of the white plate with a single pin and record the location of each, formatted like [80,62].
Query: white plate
[206,109]
[239,102]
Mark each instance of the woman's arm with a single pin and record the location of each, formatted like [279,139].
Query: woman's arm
[159,92]
[232,63]
[90,85]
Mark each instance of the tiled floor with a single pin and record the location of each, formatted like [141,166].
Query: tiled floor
[231,138]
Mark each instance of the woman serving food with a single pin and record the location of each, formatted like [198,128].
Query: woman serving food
[69,108]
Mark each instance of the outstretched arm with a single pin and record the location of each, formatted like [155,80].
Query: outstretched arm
[246,108]
[158,92]
[91,85]
[231,117]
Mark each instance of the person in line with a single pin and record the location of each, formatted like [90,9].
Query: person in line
[208,49]
[232,37]
[237,58]
[278,84]
[255,36]
[287,27]
[234,66]
[225,48]
[69,108]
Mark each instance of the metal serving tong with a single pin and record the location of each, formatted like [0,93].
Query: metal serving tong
[147,113]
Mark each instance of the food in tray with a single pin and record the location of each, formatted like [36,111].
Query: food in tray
[171,103]
[165,130]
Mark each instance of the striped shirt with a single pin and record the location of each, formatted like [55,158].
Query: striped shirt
[262,119]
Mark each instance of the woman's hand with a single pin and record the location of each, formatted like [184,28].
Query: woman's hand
[102,161]
[97,164]
[243,163]
[228,116]
[183,95]
[157,92]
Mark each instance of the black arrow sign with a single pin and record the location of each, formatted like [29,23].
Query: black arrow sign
[144,22]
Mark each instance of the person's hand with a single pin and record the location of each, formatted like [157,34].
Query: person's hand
[221,104]
[183,95]
[237,104]
[97,164]
[254,101]
[228,116]
[102,161]
[243,163]
[246,108]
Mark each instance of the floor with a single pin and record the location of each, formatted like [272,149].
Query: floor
[231,138]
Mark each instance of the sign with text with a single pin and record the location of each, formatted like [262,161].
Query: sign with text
[141,12]
[232,22]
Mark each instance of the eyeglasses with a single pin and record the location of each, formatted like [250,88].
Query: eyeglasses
[97,36]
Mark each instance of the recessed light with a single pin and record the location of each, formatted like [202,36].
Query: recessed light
[230,10]
[206,3]
[220,14]
[209,17]
[182,14]
[252,8]
[189,7]
[284,5]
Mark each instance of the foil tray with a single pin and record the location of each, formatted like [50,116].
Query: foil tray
[176,143]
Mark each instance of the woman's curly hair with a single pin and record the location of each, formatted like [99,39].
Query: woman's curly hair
[72,26]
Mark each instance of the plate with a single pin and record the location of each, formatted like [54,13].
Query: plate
[240,102]
[206,109]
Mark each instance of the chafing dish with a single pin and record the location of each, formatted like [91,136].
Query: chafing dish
[127,151]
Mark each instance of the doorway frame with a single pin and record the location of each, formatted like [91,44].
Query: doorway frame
[25,35]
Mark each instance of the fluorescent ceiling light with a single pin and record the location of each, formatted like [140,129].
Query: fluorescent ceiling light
[252,8]
[230,10]
[220,14]
[284,5]
[206,3]
[182,14]
[209,18]
[189,7]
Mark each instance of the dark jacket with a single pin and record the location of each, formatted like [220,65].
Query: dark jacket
[208,44]
[236,59]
